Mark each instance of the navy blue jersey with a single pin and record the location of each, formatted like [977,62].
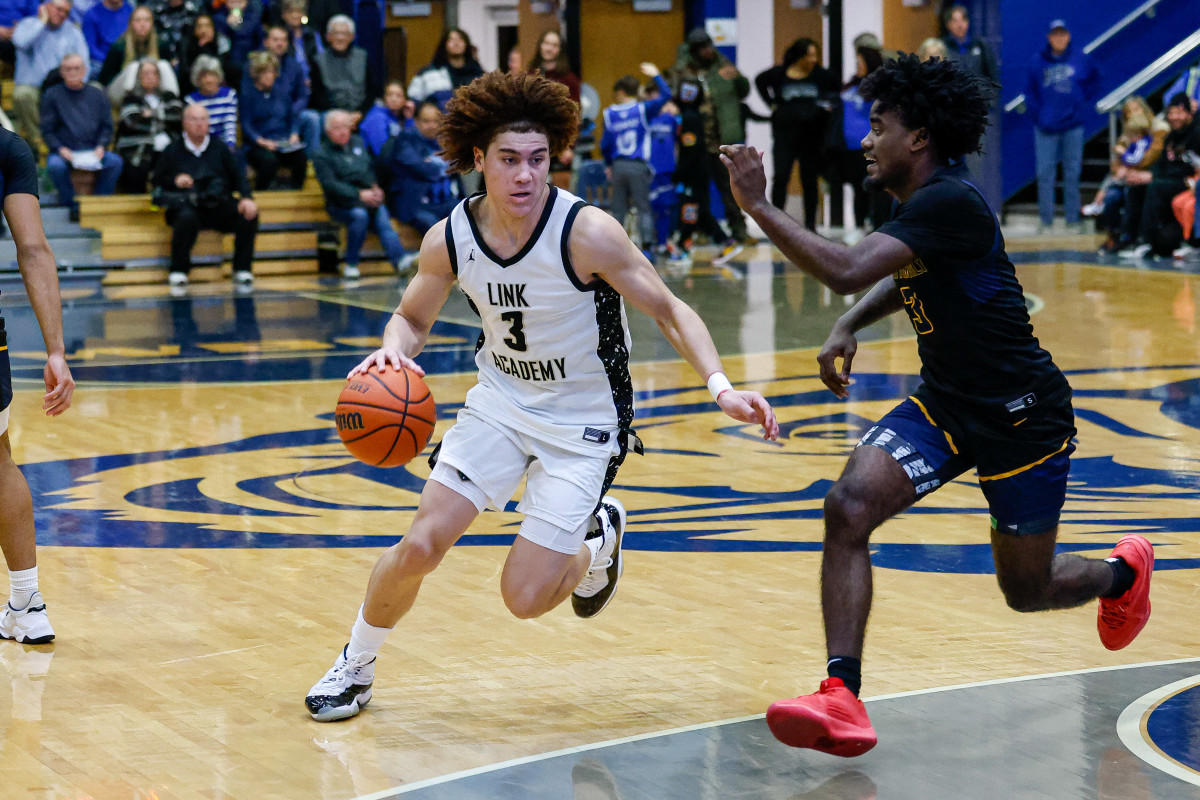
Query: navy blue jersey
[962,295]
[18,170]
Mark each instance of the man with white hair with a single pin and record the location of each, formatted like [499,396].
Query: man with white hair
[77,126]
[346,171]
[340,78]
[195,180]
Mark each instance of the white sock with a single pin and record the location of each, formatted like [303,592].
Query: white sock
[366,638]
[22,584]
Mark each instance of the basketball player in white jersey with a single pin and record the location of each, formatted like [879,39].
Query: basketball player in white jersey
[554,402]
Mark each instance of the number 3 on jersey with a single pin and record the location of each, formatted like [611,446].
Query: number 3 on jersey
[916,312]
[516,330]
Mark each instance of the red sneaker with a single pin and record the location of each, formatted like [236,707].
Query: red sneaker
[1121,619]
[833,721]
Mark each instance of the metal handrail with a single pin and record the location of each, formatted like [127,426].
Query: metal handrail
[1120,25]
[1168,59]
[1124,22]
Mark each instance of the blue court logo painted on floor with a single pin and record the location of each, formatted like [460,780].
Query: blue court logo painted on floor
[300,488]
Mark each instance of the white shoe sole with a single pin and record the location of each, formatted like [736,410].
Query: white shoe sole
[343,712]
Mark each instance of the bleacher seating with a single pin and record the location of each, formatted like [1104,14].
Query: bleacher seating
[134,234]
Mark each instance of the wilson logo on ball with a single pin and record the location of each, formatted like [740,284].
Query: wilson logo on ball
[349,422]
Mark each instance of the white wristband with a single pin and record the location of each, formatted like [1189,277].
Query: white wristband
[717,383]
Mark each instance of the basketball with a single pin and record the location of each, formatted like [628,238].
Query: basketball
[385,418]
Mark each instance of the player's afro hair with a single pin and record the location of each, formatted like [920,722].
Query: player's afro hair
[499,102]
[951,103]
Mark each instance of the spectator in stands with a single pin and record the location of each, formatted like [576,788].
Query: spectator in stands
[420,191]
[173,19]
[270,125]
[800,93]
[219,100]
[12,12]
[304,39]
[1160,233]
[387,118]
[454,64]
[202,41]
[932,48]
[241,22]
[292,84]
[77,127]
[722,89]
[353,197]
[340,79]
[551,61]
[119,73]
[202,186]
[42,42]
[1189,84]
[1122,194]
[968,50]
[515,61]
[625,147]
[1061,87]
[150,119]
[850,125]
[314,16]
[103,24]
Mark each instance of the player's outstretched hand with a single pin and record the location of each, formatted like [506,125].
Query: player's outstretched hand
[60,386]
[747,178]
[840,344]
[750,407]
[384,357]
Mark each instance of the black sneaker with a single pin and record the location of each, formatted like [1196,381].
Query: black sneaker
[344,690]
[600,583]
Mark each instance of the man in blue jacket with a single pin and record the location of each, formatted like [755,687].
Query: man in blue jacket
[1062,84]
[421,189]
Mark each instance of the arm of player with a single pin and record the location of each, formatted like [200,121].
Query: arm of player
[39,271]
[406,332]
[883,300]
[599,247]
[843,269]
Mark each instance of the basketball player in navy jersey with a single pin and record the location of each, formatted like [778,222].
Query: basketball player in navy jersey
[991,398]
[24,618]
[554,401]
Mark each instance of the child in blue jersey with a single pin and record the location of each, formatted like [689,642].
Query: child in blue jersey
[625,146]
[664,137]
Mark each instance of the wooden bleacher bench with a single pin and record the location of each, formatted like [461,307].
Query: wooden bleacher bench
[134,232]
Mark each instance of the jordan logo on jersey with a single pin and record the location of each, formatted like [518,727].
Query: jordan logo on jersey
[471,257]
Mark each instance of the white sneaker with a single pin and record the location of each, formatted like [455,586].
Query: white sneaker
[729,251]
[1092,209]
[1186,251]
[1141,251]
[351,272]
[243,277]
[30,625]
[177,279]
[600,583]
[407,265]
[344,690]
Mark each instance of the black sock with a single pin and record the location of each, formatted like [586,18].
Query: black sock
[1123,578]
[848,669]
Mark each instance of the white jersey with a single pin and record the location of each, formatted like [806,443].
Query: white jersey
[553,356]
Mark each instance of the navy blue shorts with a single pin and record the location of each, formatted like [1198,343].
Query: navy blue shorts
[1022,467]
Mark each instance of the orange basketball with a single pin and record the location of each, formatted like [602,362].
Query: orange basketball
[385,418]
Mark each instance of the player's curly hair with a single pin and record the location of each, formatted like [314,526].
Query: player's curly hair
[948,101]
[499,102]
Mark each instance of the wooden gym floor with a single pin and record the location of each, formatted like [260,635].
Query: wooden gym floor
[205,542]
